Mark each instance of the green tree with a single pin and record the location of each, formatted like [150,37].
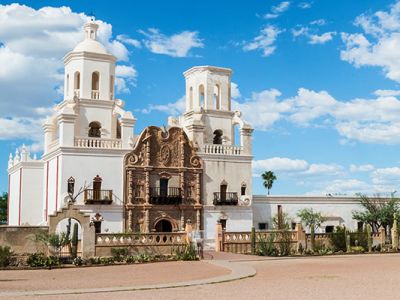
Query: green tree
[377,212]
[311,219]
[3,208]
[269,178]
[54,241]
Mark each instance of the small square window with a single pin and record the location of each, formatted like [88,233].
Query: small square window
[262,226]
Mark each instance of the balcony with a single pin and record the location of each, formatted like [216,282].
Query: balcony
[218,149]
[229,198]
[91,196]
[170,196]
[92,142]
[95,94]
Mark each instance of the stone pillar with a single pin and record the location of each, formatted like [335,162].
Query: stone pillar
[130,216]
[198,189]
[246,133]
[382,235]
[66,124]
[147,220]
[127,129]
[395,235]
[147,186]
[198,219]
[188,230]
[129,184]
[48,129]
[218,237]
[182,221]
[300,236]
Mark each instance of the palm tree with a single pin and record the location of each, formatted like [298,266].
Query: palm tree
[269,178]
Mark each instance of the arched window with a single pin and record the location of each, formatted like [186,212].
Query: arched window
[111,87]
[67,85]
[237,140]
[223,189]
[217,97]
[118,129]
[97,187]
[95,85]
[77,84]
[191,98]
[243,189]
[94,129]
[217,137]
[201,95]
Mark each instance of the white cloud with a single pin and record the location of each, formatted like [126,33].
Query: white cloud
[173,108]
[277,164]
[319,22]
[125,76]
[321,39]
[176,45]
[263,109]
[235,93]
[316,169]
[361,168]
[128,41]
[264,41]
[378,45]
[387,93]
[32,44]
[304,5]
[277,10]
[299,31]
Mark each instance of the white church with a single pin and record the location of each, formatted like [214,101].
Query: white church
[158,180]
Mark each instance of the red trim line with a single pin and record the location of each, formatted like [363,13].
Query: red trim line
[47,191]
[57,185]
[20,196]
[8,200]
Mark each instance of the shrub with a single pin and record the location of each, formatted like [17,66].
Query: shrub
[266,247]
[357,249]
[284,242]
[95,260]
[119,253]
[5,256]
[338,239]
[188,252]
[359,238]
[78,261]
[40,260]
[107,260]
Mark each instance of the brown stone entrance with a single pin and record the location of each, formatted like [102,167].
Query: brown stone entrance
[163,182]
[163,226]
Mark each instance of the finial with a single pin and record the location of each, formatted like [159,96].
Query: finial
[10,161]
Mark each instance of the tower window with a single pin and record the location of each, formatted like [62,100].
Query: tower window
[95,129]
[77,83]
[111,87]
[201,95]
[243,190]
[95,85]
[191,98]
[217,98]
[217,137]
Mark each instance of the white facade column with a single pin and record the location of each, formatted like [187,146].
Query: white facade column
[66,124]
[127,129]
[246,133]
[48,129]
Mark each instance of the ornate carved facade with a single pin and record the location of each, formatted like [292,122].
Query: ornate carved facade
[163,182]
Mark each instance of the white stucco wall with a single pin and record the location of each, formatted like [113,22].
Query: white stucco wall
[13,197]
[32,195]
[338,210]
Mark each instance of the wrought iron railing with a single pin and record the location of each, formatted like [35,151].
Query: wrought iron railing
[94,196]
[228,198]
[167,196]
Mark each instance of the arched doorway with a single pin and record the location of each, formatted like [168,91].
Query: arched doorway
[163,226]
[67,227]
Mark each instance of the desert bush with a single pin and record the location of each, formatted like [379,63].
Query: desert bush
[119,253]
[284,242]
[41,260]
[266,247]
[187,252]
[338,239]
[5,256]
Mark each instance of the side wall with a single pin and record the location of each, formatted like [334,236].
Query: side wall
[21,238]
[338,211]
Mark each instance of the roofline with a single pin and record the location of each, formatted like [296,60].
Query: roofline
[210,68]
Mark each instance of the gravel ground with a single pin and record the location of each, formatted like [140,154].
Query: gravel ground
[109,276]
[334,277]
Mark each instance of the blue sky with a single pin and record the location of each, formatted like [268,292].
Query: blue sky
[319,80]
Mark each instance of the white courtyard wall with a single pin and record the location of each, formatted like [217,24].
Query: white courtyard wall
[13,197]
[32,195]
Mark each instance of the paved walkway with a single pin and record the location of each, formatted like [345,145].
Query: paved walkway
[122,278]
[328,277]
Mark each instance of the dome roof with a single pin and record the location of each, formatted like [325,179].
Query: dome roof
[89,45]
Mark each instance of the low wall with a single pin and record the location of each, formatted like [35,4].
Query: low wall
[240,242]
[21,239]
[154,243]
